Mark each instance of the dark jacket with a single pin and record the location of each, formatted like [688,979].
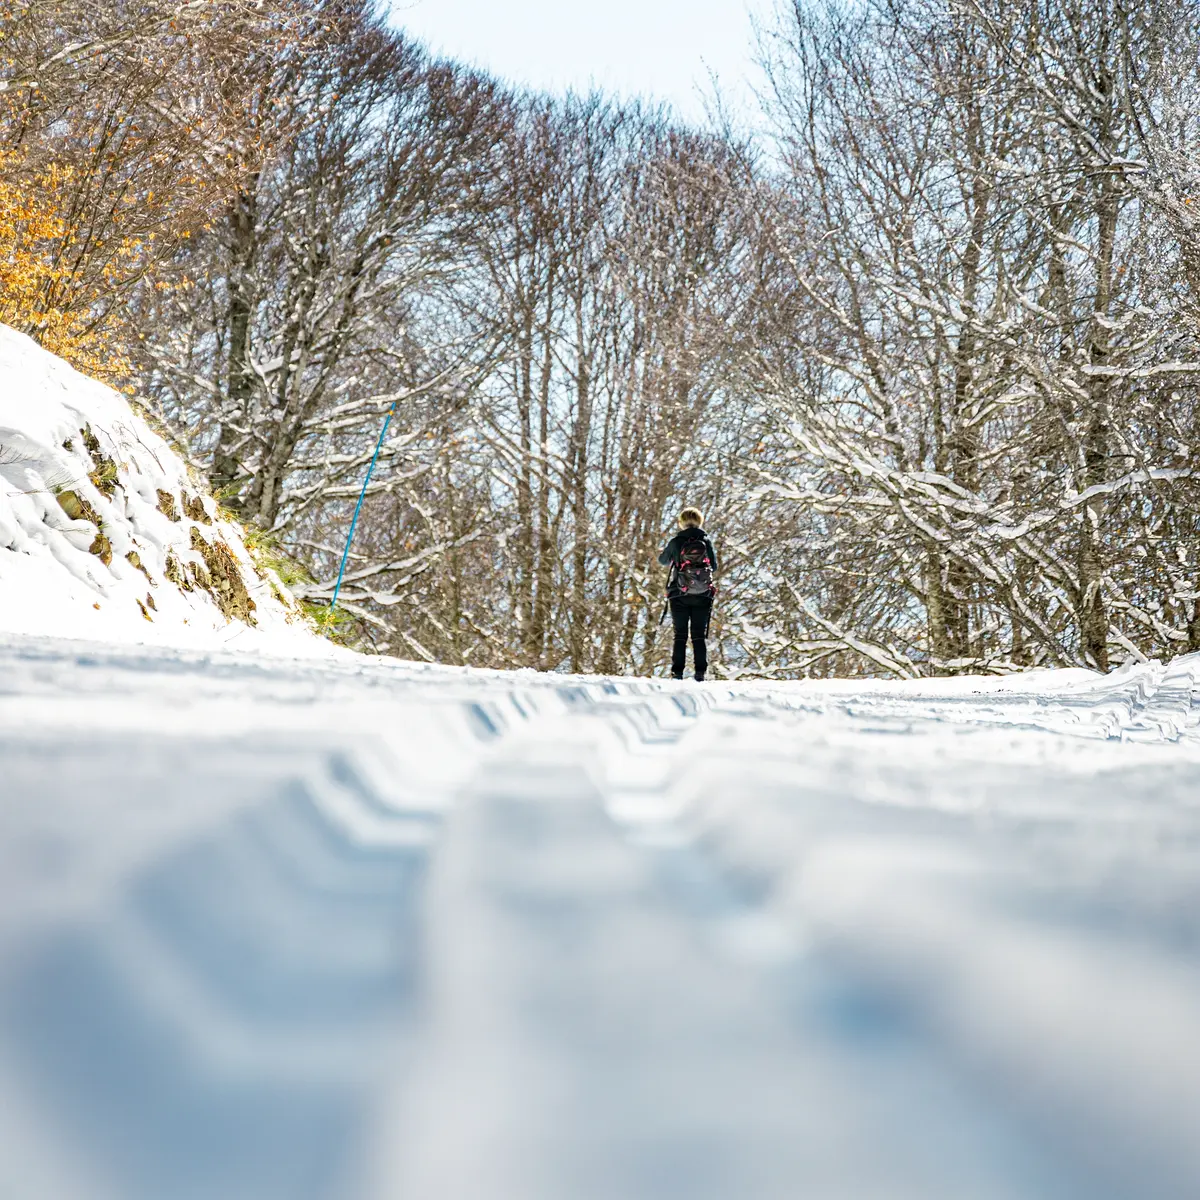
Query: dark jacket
[670,554]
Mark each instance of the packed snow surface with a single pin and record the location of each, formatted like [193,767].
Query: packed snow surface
[274,929]
[104,534]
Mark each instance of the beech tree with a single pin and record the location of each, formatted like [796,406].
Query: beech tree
[321,299]
[991,329]
[613,266]
[125,128]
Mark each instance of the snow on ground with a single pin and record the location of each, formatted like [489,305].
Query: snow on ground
[274,929]
[104,535]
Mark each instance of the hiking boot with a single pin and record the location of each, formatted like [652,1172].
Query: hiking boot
[699,676]
[679,676]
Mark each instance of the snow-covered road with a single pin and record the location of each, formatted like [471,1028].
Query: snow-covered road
[283,930]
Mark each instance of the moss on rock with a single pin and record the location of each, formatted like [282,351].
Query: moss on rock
[77,508]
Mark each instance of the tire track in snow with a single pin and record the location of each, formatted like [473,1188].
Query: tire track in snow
[204,1018]
[279,929]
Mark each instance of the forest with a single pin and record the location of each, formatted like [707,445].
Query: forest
[921,339]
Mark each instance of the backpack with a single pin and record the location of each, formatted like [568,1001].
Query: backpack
[694,574]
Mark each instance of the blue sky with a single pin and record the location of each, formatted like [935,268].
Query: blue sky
[661,48]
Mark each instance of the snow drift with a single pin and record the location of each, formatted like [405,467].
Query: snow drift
[103,532]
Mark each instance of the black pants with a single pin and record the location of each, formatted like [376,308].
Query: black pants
[690,615]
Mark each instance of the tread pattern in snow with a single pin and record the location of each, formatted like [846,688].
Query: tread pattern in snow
[277,930]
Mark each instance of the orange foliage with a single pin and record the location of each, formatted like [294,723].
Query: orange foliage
[37,292]
[123,130]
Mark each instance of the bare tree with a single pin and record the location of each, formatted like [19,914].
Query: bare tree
[133,123]
[959,226]
[323,299]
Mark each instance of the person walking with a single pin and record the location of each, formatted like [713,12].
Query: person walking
[690,590]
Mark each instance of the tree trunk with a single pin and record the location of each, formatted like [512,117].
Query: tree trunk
[226,469]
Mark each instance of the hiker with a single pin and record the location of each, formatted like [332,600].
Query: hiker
[690,590]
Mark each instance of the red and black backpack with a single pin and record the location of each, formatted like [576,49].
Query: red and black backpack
[694,570]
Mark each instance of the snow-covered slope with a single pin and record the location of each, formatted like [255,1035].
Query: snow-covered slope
[104,535]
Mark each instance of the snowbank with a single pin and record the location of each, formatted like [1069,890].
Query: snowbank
[103,534]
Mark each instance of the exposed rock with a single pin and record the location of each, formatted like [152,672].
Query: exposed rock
[166,505]
[194,507]
[77,508]
[199,577]
[70,503]
[175,573]
[135,560]
[226,585]
[101,547]
[104,477]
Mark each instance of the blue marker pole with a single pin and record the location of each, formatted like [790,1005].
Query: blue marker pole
[358,507]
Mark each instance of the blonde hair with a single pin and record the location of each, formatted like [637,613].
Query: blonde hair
[691,516]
